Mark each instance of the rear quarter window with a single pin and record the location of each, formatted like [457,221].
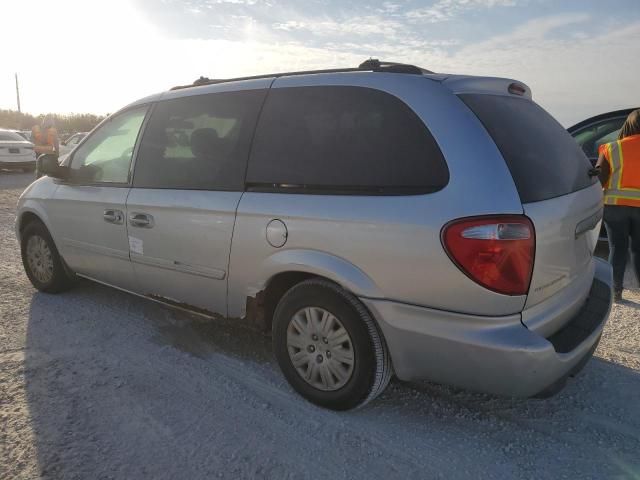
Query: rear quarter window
[544,159]
[339,139]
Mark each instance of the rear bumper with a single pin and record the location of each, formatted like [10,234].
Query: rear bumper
[496,355]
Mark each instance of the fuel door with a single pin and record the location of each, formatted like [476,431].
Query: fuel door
[277,233]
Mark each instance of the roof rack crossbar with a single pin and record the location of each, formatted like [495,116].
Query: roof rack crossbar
[370,65]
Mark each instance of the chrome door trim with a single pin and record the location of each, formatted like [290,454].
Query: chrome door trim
[89,247]
[589,223]
[199,270]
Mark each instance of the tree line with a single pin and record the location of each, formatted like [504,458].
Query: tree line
[65,124]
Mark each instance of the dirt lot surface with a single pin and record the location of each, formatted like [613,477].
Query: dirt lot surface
[96,383]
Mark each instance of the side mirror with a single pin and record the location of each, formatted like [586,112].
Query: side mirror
[48,165]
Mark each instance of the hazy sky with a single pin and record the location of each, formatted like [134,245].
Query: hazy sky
[580,57]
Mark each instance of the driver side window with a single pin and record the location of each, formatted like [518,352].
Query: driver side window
[106,156]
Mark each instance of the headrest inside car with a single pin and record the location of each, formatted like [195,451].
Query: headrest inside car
[204,142]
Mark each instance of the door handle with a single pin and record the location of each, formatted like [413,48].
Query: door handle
[113,216]
[142,220]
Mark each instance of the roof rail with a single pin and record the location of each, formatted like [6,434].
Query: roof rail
[370,65]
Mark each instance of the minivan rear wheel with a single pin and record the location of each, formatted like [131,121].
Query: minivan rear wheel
[328,346]
[42,262]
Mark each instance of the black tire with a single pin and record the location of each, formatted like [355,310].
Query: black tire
[62,278]
[372,365]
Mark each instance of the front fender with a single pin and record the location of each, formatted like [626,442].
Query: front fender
[34,208]
[31,202]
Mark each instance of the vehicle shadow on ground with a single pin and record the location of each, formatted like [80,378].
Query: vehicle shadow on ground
[95,357]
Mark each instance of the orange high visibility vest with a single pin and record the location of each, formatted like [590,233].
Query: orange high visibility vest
[623,186]
[36,135]
[44,142]
[51,135]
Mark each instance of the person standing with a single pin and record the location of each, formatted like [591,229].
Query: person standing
[45,137]
[619,164]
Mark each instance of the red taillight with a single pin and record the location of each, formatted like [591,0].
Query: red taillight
[496,252]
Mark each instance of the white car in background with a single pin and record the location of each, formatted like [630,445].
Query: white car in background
[26,134]
[16,153]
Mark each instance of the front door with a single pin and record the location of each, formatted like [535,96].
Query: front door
[88,212]
[188,181]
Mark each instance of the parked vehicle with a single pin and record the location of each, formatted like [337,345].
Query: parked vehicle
[26,134]
[341,209]
[16,153]
[596,131]
[72,142]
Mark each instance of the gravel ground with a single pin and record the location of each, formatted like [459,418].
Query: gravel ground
[96,383]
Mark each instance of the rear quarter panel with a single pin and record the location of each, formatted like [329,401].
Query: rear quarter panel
[393,240]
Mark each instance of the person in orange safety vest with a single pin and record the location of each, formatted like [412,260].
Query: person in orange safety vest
[619,164]
[45,137]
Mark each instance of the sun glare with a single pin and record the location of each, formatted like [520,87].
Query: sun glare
[80,56]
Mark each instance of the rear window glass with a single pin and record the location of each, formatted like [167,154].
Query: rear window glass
[339,139]
[10,137]
[544,159]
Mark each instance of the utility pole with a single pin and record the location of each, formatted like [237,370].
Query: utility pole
[18,94]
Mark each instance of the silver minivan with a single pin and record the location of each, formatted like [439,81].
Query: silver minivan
[380,220]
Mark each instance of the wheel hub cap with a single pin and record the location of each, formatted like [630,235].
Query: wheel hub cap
[320,348]
[39,259]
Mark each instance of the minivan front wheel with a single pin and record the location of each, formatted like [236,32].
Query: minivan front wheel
[42,263]
[328,346]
